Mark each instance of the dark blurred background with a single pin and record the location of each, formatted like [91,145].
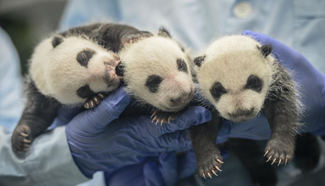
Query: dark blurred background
[28,21]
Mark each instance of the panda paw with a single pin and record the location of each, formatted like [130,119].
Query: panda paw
[21,139]
[159,117]
[279,151]
[94,101]
[210,165]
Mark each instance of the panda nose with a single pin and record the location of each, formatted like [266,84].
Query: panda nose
[241,113]
[183,99]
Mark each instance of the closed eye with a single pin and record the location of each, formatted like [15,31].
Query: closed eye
[217,90]
[254,83]
[181,65]
[153,82]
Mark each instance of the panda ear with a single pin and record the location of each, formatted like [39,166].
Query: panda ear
[265,49]
[132,38]
[199,60]
[57,40]
[163,32]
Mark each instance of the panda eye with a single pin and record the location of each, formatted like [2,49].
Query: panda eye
[217,90]
[84,56]
[254,83]
[181,65]
[153,82]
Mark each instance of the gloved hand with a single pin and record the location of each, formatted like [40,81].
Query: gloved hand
[101,141]
[165,170]
[310,83]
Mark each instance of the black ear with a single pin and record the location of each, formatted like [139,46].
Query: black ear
[265,49]
[199,60]
[164,32]
[56,41]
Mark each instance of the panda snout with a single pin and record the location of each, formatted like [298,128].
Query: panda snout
[242,114]
[181,100]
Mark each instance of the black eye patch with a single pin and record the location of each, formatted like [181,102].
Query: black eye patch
[84,56]
[254,83]
[181,65]
[85,92]
[217,90]
[153,82]
[56,41]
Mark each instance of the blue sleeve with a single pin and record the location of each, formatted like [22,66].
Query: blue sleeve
[48,163]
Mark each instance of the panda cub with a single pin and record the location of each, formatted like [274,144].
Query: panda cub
[240,78]
[157,72]
[63,71]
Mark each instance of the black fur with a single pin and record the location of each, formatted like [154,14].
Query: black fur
[84,56]
[217,90]
[119,70]
[181,65]
[153,82]
[255,83]
[265,49]
[85,92]
[56,41]
[199,60]
[109,35]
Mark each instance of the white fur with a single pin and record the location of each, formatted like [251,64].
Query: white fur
[57,73]
[156,55]
[231,60]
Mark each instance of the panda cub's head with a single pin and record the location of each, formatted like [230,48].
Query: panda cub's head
[157,71]
[72,69]
[234,74]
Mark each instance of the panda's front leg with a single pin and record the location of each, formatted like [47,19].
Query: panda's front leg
[209,159]
[283,112]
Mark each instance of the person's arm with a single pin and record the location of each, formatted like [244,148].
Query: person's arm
[49,162]
[11,89]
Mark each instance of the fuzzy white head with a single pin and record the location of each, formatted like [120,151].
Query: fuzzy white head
[157,71]
[235,74]
[72,69]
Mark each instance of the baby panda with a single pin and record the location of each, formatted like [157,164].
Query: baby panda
[70,70]
[240,78]
[157,71]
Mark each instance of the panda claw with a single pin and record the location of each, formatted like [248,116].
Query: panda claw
[220,161]
[101,95]
[267,151]
[218,168]
[273,161]
[214,172]
[27,141]
[209,175]
[270,157]
[279,162]
[24,134]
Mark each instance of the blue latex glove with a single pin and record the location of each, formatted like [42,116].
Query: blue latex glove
[101,141]
[165,170]
[311,85]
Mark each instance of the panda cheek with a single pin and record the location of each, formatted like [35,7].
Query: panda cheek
[84,56]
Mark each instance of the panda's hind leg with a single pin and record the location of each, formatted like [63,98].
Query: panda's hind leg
[94,101]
